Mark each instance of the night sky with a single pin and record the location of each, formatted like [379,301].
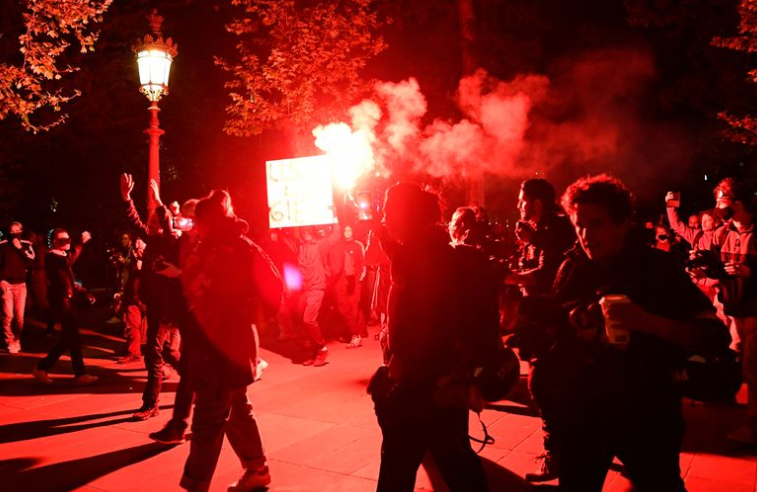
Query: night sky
[661,84]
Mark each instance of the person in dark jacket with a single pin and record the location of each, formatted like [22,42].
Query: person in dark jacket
[617,395]
[226,281]
[422,351]
[161,294]
[16,257]
[60,295]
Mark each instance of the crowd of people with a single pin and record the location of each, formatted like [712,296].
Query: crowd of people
[605,311]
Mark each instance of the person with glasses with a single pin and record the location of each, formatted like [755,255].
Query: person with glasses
[60,294]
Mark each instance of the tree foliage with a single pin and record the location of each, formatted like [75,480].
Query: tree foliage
[743,128]
[32,83]
[300,61]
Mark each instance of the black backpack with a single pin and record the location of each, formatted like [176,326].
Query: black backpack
[712,377]
[496,367]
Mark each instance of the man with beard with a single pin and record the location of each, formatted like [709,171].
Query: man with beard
[738,290]
[550,236]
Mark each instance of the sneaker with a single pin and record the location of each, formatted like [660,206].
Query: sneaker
[547,469]
[743,435]
[84,379]
[14,348]
[321,356]
[128,359]
[170,434]
[145,413]
[319,359]
[167,372]
[259,368]
[41,376]
[356,342]
[251,480]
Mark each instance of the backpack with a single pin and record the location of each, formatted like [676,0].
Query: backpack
[709,378]
[496,368]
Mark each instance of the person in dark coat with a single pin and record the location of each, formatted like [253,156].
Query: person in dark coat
[60,295]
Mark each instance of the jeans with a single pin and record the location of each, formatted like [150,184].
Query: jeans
[217,413]
[64,312]
[133,329]
[313,300]
[14,304]
[156,351]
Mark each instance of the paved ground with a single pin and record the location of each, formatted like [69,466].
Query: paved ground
[317,425]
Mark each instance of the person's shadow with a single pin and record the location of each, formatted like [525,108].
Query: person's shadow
[18,474]
[36,429]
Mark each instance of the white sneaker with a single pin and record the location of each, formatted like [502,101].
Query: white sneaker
[41,376]
[259,368]
[14,348]
[356,342]
[251,480]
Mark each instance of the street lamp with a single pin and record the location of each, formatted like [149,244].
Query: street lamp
[154,57]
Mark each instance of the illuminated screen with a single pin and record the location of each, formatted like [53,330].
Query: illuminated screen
[300,192]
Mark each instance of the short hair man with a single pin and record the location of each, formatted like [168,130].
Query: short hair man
[620,400]
[16,257]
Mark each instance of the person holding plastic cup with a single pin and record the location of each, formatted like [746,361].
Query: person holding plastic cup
[633,313]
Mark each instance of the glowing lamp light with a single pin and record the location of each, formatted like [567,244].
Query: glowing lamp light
[154,58]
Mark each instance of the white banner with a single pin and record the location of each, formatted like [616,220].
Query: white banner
[300,192]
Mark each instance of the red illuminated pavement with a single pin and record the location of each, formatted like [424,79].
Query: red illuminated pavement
[317,424]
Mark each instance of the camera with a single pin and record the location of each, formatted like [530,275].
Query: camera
[707,261]
[182,223]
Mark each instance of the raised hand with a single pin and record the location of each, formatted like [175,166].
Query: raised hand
[155,192]
[85,237]
[127,184]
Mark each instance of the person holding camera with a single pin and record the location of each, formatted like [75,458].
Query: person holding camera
[61,291]
[628,315]
[738,288]
[425,323]
[701,239]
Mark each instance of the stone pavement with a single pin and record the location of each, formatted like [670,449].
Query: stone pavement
[318,429]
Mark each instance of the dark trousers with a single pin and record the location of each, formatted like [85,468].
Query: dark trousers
[312,301]
[64,312]
[412,424]
[184,391]
[347,298]
[220,412]
[155,352]
[648,446]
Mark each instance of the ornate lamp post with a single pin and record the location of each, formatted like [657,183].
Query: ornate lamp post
[154,57]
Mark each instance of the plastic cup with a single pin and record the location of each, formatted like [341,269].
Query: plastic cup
[615,335]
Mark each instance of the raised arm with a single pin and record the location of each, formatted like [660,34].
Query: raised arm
[127,185]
